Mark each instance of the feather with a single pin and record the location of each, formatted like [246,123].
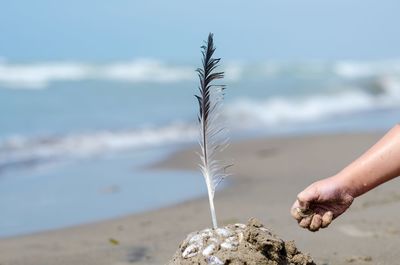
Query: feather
[212,137]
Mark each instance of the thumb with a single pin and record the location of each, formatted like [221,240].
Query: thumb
[307,196]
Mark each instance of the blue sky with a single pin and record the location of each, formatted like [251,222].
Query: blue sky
[258,30]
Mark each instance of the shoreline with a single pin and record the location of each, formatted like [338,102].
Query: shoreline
[268,174]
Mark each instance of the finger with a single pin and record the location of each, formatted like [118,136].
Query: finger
[304,212]
[295,213]
[306,221]
[316,223]
[303,202]
[307,196]
[327,219]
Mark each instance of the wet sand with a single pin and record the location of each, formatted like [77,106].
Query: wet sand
[268,174]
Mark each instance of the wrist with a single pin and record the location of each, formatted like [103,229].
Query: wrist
[347,185]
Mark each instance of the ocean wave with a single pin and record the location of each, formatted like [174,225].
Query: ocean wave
[40,75]
[353,69]
[275,111]
[280,110]
[19,151]
[146,71]
[310,69]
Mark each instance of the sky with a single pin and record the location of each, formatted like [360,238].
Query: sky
[173,30]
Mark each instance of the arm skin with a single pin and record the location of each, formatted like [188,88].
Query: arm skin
[330,197]
[379,164]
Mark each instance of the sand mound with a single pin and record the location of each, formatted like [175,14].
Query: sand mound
[238,244]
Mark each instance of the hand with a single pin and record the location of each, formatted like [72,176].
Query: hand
[320,203]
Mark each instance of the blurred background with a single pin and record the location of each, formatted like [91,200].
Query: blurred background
[91,92]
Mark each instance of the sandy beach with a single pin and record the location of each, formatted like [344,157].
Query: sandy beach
[267,175]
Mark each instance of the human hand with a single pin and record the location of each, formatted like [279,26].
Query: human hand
[321,202]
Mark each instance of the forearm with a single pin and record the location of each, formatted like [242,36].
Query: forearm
[376,166]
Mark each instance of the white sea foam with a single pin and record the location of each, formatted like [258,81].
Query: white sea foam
[147,71]
[340,69]
[354,69]
[280,110]
[40,75]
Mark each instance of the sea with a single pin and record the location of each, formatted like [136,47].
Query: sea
[76,137]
